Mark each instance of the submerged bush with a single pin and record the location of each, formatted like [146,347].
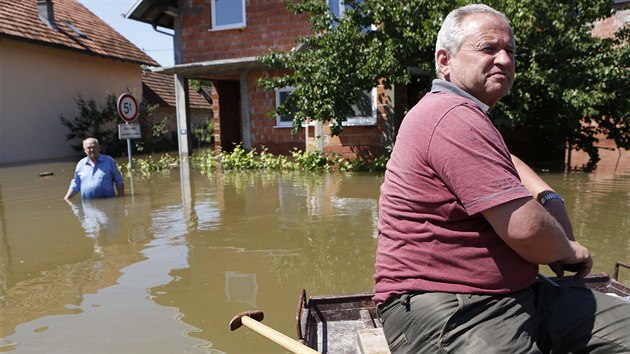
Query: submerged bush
[261,159]
[313,160]
[149,164]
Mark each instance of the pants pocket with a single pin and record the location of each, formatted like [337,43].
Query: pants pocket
[399,345]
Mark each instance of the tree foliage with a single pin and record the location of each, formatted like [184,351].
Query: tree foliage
[570,85]
[94,121]
[101,122]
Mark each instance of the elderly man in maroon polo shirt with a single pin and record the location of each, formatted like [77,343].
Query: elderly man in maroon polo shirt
[464,225]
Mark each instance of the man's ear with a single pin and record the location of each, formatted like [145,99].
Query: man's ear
[441,58]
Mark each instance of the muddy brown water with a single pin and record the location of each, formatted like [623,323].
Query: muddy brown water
[165,269]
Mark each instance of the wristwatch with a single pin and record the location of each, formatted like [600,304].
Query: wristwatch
[550,196]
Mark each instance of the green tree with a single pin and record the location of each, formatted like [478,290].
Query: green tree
[565,76]
[570,85]
[101,122]
[95,121]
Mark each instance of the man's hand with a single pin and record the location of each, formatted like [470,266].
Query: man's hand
[557,268]
[582,268]
[69,195]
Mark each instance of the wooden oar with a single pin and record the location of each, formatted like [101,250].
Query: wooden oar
[252,320]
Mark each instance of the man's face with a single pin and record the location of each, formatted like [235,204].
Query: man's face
[484,66]
[91,148]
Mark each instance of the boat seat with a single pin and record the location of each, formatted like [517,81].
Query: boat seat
[372,341]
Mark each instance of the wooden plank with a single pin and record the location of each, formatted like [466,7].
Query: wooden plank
[372,341]
[366,318]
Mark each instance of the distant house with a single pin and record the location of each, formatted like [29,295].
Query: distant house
[613,159]
[159,89]
[50,53]
[220,42]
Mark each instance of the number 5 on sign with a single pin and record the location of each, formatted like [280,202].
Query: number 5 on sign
[127,107]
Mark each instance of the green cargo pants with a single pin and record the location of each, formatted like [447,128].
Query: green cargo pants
[540,319]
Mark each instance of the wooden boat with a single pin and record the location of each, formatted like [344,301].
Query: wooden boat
[350,324]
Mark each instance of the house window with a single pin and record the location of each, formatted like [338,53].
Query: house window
[75,29]
[227,14]
[365,107]
[281,96]
[364,110]
[336,7]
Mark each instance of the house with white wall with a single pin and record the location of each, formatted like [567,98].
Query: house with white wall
[51,52]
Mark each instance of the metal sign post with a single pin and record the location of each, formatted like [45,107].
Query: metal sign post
[128,111]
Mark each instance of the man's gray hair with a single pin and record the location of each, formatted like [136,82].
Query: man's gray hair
[452,35]
[91,138]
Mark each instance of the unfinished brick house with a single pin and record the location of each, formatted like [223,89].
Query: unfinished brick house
[220,42]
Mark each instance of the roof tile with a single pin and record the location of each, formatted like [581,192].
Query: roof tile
[159,88]
[20,20]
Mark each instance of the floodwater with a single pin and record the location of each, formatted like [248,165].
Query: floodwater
[165,269]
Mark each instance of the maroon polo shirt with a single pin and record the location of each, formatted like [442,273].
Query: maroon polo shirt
[449,163]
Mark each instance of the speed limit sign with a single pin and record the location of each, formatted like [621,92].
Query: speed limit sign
[127,107]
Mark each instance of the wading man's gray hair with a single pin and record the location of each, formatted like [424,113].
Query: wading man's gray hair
[452,35]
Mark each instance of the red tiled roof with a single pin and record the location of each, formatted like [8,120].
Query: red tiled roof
[20,20]
[158,88]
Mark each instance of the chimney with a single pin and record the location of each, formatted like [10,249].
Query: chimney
[46,13]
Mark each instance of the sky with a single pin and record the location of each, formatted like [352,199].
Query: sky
[157,45]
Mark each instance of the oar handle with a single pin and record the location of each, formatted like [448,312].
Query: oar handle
[277,337]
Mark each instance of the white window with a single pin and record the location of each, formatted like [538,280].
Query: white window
[364,110]
[336,7]
[281,96]
[227,14]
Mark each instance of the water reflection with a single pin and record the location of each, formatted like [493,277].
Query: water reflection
[166,269]
[600,213]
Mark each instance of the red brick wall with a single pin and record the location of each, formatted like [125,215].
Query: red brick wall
[270,26]
[606,28]
[612,159]
[263,130]
[216,118]
[361,141]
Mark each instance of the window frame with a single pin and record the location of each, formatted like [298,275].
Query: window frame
[215,27]
[355,121]
[341,7]
[279,122]
[351,121]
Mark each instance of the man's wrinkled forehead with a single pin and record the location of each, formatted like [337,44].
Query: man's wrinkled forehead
[90,143]
[479,27]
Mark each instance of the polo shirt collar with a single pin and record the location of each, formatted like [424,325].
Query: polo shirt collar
[98,159]
[440,85]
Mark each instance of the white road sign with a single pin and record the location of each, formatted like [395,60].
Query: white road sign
[129,131]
